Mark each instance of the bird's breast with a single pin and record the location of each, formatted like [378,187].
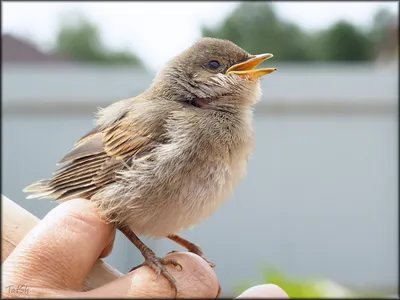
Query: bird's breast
[186,180]
[186,189]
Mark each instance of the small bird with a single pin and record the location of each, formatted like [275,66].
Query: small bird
[162,161]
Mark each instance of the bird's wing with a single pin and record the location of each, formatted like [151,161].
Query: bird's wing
[95,159]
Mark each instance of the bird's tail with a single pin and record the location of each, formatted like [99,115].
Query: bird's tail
[39,189]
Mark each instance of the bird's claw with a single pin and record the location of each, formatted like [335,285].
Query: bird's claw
[199,253]
[212,265]
[157,264]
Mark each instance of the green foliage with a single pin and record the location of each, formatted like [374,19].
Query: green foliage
[344,42]
[383,19]
[256,27]
[79,39]
[306,288]
[294,289]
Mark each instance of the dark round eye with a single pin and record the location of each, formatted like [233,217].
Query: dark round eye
[213,65]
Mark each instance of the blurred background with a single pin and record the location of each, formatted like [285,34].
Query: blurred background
[318,212]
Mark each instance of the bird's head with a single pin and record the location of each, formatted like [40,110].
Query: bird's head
[213,73]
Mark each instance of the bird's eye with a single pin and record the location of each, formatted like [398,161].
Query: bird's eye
[213,65]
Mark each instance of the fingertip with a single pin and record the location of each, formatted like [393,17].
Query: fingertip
[264,291]
[81,216]
[196,279]
[108,249]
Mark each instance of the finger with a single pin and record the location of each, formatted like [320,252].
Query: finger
[196,279]
[108,249]
[61,250]
[264,291]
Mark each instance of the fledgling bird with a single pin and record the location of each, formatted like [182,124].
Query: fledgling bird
[162,161]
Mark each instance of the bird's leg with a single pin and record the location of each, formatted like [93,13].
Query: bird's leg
[191,247]
[151,260]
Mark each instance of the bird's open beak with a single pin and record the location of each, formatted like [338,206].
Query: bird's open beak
[246,68]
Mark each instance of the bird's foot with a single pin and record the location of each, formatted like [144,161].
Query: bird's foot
[191,247]
[151,260]
[212,265]
[197,250]
[157,264]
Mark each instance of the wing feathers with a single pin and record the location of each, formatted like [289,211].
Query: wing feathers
[97,157]
[80,162]
[88,135]
[91,145]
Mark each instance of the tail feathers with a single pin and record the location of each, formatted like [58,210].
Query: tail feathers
[43,189]
[41,195]
[38,189]
[37,186]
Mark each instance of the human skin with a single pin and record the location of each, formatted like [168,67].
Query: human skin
[54,259]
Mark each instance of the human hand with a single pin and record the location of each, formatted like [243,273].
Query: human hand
[54,259]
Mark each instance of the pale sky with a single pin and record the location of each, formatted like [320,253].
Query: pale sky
[157,31]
